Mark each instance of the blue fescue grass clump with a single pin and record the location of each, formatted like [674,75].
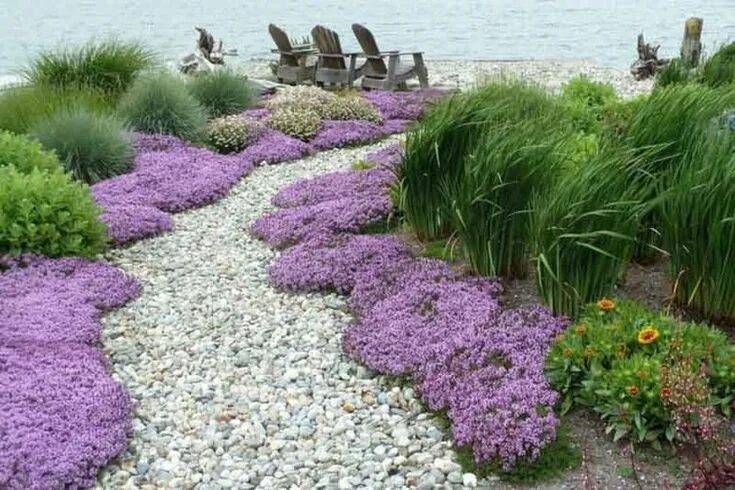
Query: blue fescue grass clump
[91,147]
[160,103]
[109,67]
[222,93]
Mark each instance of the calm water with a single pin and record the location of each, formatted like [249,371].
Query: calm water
[604,30]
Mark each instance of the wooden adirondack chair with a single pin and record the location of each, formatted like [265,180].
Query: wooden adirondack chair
[292,67]
[332,63]
[393,76]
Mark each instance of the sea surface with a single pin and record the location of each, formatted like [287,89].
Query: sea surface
[601,30]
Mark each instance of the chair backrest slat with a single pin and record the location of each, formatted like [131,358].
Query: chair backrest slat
[375,66]
[284,45]
[327,41]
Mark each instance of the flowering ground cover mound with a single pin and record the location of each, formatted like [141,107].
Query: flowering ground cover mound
[63,415]
[336,134]
[480,363]
[332,262]
[333,186]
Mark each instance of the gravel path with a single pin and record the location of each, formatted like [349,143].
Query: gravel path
[239,385]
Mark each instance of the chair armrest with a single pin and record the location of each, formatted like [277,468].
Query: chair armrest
[330,55]
[294,52]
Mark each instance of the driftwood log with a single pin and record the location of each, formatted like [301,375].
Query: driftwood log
[207,56]
[648,64]
[691,45]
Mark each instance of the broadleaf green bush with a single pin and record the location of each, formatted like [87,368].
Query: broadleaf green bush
[92,147]
[45,212]
[641,369]
[221,93]
[161,104]
[25,155]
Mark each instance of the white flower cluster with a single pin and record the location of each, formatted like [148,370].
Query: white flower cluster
[298,111]
[231,134]
[295,122]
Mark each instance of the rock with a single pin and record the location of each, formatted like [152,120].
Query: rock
[469,480]
[254,434]
[446,466]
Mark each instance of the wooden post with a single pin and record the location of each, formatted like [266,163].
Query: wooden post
[691,45]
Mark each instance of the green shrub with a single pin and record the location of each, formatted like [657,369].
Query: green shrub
[698,226]
[109,67]
[719,69]
[675,73]
[583,231]
[585,100]
[437,147]
[92,147]
[162,104]
[635,367]
[221,93]
[25,155]
[297,123]
[230,134]
[47,213]
[491,200]
[21,108]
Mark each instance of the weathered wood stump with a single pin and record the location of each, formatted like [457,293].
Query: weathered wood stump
[691,45]
[647,64]
[208,54]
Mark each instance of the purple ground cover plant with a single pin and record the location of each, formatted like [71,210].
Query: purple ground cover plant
[289,226]
[401,333]
[331,262]
[403,105]
[336,134]
[333,186]
[274,147]
[388,157]
[63,415]
[144,142]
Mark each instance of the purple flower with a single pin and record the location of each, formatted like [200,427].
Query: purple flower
[63,416]
[332,262]
[273,147]
[334,186]
[259,113]
[403,105]
[389,157]
[291,225]
[336,134]
[144,142]
[132,222]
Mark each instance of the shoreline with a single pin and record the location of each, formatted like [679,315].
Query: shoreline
[463,74]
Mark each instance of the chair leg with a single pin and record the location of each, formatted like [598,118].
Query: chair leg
[423,73]
[392,66]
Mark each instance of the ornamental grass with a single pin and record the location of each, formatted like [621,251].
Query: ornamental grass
[698,226]
[437,148]
[583,231]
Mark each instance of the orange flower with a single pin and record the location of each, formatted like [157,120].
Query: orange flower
[665,393]
[568,352]
[606,304]
[589,353]
[648,335]
[580,330]
[633,390]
